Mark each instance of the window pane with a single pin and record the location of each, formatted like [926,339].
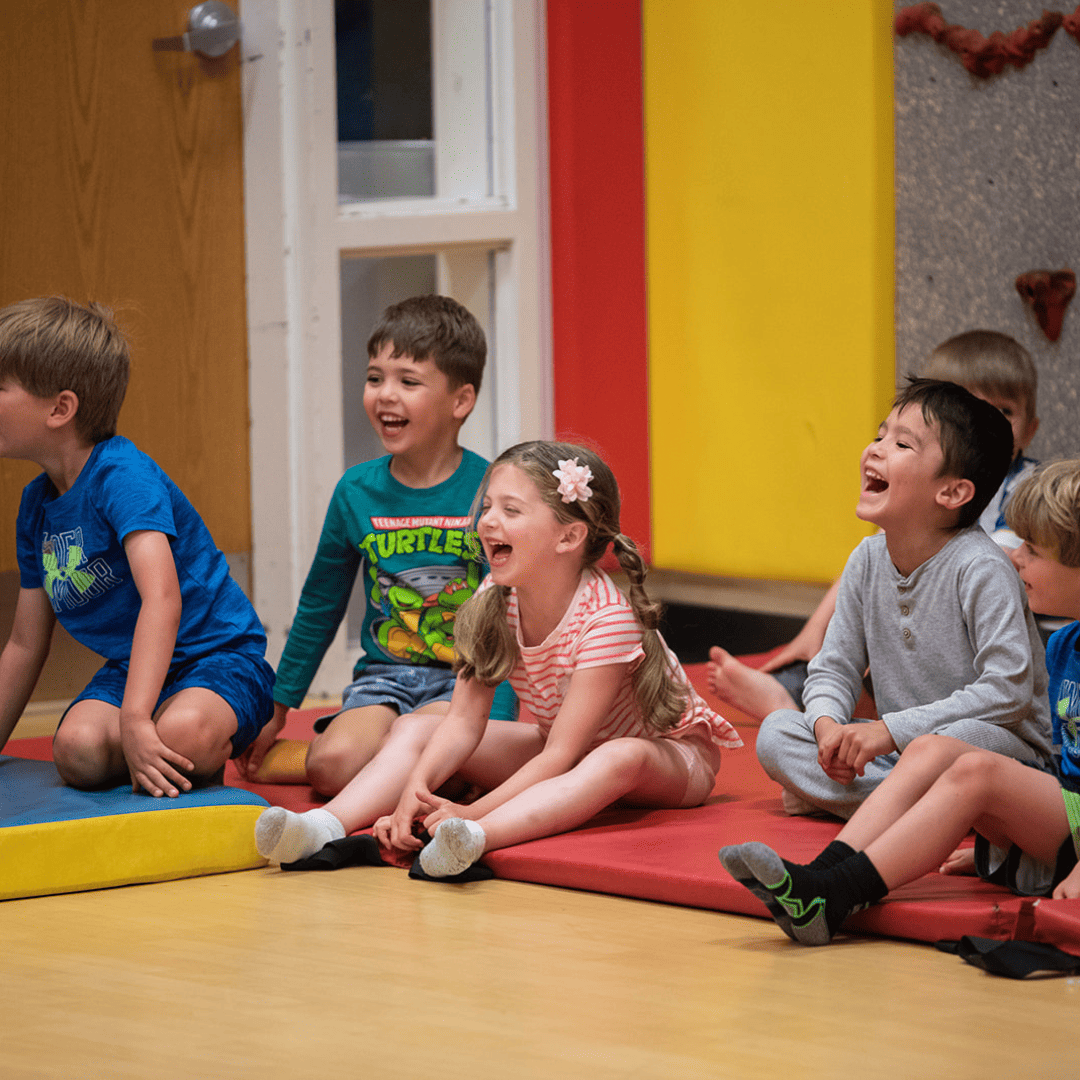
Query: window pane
[385,144]
[414,99]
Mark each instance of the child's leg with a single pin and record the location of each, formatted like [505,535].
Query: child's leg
[641,772]
[923,761]
[788,752]
[86,747]
[376,789]
[1005,801]
[195,723]
[200,724]
[754,692]
[354,737]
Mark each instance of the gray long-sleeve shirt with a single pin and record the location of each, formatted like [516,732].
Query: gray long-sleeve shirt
[955,640]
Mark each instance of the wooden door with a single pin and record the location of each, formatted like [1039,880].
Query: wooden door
[121,178]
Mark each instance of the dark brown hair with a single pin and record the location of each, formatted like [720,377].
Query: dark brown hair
[435,328]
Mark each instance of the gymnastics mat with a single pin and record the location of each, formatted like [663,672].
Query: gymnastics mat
[671,856]
[55,839]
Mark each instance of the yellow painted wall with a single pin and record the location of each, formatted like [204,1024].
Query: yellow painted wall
[769,179]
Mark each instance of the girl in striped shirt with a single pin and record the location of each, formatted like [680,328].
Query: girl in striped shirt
[614,717]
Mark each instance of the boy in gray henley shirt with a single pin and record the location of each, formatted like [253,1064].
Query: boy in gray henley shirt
[931,605]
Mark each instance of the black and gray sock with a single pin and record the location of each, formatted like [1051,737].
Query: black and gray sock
[809,905]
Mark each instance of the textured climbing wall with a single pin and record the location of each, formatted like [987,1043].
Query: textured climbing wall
[988,187]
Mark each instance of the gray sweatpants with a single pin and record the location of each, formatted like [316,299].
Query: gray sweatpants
[787,750]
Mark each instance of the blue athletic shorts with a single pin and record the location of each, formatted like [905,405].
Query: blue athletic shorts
[405,687]
[245,681]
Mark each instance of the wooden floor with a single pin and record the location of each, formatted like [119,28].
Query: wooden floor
[365,973]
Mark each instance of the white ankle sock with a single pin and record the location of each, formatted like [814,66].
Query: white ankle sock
[456,845]
[282,836]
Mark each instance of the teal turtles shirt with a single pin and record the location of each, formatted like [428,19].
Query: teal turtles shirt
[413,553]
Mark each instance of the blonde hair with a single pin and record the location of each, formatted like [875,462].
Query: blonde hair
[989,362]
[486,647]
[1045,510]
[52,344]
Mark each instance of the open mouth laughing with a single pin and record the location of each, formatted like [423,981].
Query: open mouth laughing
[874,483]
[392,424]
[498,552]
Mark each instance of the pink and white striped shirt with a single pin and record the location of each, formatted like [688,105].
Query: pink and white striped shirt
[599,628]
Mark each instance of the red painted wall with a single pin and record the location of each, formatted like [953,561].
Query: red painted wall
[597,149]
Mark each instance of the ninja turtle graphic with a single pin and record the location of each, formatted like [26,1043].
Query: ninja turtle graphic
[419,608]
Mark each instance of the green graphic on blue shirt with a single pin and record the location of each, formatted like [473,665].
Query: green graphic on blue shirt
[56,575]
[414,622]
[1070,742]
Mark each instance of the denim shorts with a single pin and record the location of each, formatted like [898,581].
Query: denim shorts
[245,681]
[405,687]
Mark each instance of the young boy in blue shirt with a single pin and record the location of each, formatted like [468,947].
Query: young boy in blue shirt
[1027,820]
[402,522]
[110,546]
[930,605]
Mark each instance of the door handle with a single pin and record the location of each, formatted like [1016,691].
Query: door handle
[213,29]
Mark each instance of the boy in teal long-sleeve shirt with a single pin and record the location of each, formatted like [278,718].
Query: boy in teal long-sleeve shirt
[402,523]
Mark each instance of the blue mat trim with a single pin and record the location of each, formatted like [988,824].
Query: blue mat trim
[31,792]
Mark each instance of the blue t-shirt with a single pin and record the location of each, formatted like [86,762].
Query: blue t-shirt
[1063,665]
[72,546]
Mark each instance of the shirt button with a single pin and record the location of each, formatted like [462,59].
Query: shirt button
[907,633]
[904,610]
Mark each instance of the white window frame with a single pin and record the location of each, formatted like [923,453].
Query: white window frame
[297,234]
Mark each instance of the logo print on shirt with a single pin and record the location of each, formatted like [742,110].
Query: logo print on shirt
[80,579]
[1069,726]
[71,581]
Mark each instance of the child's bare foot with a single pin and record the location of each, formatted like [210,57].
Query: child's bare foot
[748,689]
[961,861]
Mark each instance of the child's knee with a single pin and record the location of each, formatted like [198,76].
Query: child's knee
[928,748]
[203,737]
[331,765]
[780,736]
[975,773]
[81,752]
[413,727]
[625,758]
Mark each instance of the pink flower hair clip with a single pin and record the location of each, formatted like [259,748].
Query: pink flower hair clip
[573,481]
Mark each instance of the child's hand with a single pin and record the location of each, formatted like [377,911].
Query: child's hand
[247,764]
[828,734]
[961,861]
[152,765]
[1069,889]
[439,810]
[396,830]
[856,745]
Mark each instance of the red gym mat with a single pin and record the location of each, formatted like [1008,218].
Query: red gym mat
[670,855]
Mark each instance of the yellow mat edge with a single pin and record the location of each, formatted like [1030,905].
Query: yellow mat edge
[52,857]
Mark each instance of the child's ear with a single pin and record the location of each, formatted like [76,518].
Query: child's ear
[1029,433]
[65,406]
[954,493]
[573,537]
[464,400]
